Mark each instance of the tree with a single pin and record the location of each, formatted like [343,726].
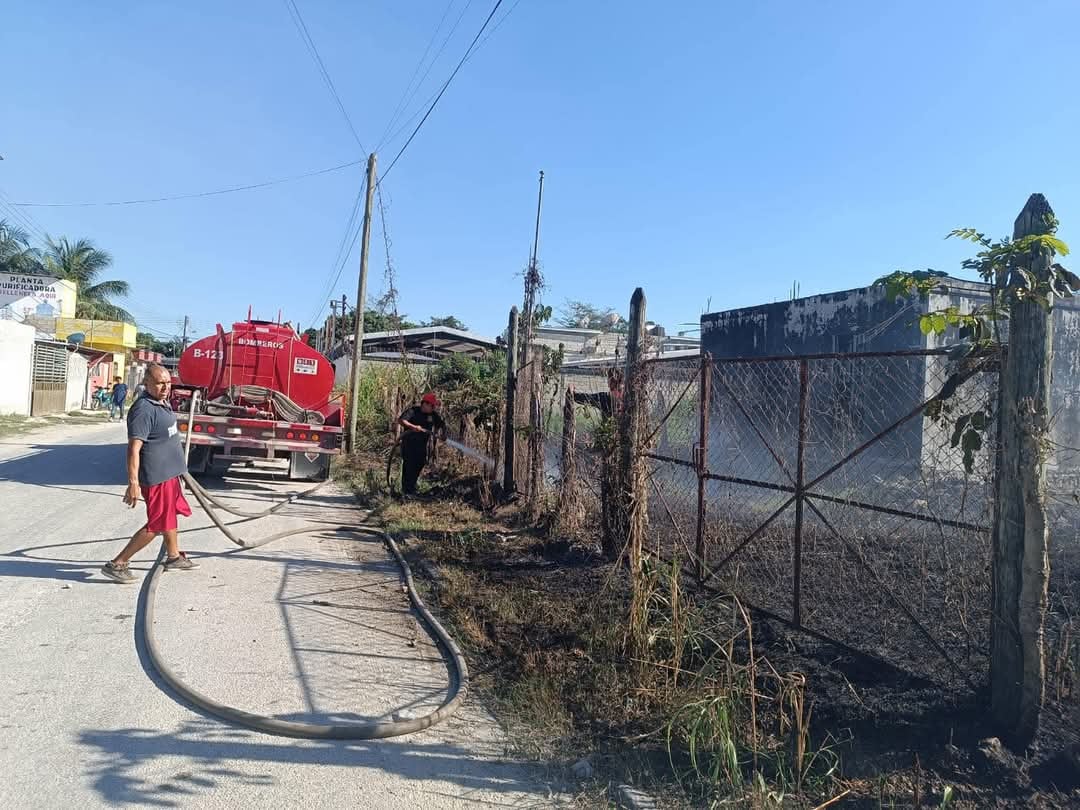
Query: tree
[16,255]
[582,315]
[374,321]
[84,263]
[449,321]
[311,335]
[147,340]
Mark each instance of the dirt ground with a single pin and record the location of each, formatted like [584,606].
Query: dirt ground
[525,605]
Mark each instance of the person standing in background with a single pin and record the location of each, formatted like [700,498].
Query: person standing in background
[117,398]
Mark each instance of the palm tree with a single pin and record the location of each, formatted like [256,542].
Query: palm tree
[83,263]
[16,255]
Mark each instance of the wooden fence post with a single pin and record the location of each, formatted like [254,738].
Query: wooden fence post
[536,437]
[633,500]
[1021,566]
[568,463]
[508,421]
[632,430]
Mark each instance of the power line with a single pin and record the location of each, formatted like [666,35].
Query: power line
[338,265]
[475,50]
[407,96]
[215,192]
[305,35]
[22,218]
[446,84]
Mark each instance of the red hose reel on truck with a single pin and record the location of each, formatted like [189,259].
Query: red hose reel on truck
[262,393]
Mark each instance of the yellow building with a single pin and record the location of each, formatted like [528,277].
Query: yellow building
[108,336]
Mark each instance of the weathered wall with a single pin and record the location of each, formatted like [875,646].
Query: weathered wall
[849,403]
[850,321]
[16,360]
[77,373]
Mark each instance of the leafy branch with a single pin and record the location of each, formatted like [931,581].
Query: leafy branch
[1006,265]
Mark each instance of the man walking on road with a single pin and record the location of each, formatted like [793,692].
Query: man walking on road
[155,462]
[420,422]
[117,398]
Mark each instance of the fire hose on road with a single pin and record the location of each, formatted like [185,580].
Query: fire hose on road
[370,730]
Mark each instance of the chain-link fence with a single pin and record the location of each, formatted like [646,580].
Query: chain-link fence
[851,495]
[833,495]
[1063,508]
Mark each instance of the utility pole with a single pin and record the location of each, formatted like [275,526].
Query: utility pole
[361,295]
[533,282]
[183,340]
[333,327]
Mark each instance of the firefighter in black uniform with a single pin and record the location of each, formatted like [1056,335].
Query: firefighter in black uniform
[420,423]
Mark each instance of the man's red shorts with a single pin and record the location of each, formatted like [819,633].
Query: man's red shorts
[164,502]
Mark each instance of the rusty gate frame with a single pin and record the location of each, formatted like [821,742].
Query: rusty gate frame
[799,489]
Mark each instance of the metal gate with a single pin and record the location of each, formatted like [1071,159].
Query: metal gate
[48,379]
[835,492]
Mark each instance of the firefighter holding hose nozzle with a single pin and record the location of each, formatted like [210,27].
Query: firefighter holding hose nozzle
[420,423]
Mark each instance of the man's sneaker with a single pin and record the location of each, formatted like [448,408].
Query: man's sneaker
[118,573]
[181,563]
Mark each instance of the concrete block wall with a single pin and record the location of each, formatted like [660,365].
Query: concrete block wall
[16,364]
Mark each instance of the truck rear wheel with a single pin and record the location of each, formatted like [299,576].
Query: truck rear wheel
[303,467]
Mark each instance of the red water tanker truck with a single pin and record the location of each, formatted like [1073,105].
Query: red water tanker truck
[258,392]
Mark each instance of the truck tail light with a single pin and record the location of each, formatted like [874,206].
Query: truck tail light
[314,437]
[197,428]
[290,435]
[303,436]
[211,429]
[183,427]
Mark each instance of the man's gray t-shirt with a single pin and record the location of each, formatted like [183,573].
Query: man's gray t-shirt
[162,454]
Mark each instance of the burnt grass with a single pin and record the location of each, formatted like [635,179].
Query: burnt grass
[532,610]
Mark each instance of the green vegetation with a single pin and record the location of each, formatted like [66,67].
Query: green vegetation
[79,261]
[1005,265]
[582,315]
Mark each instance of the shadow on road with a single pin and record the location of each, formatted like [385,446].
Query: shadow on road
[204,755]
[67,464]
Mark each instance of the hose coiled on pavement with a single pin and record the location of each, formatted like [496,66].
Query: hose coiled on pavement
[370,730]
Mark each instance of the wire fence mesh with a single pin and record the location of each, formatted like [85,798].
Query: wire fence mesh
[832,491]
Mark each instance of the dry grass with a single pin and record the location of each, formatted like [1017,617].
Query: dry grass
[544,625]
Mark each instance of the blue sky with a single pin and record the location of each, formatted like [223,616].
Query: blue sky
[710,152]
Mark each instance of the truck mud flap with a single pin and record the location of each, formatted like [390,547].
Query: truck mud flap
[199,459]
[309,466]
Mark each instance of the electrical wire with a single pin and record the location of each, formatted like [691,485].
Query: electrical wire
[22,218]
[446,84]
[468,52]
[408,96]
[305,35]
[196,195]
[339,260]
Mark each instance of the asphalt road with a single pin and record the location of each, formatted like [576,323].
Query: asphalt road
[313,628]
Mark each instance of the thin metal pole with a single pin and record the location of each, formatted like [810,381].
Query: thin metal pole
[190,423]
[539,203]
[800,495]
[705,391]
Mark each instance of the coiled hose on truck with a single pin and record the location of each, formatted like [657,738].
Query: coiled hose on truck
[371,730]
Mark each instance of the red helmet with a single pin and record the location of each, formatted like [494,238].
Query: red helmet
[430,399]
